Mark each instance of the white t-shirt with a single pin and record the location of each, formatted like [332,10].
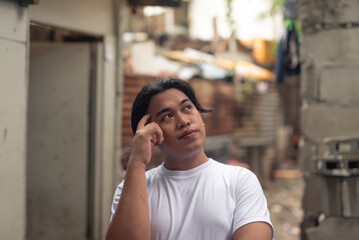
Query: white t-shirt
[210,201]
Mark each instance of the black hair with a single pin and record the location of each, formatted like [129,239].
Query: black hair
[143,98]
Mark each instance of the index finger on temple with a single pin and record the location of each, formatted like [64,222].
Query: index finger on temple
[143,121]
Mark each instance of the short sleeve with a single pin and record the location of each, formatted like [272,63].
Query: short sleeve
[251,204]
[116,199]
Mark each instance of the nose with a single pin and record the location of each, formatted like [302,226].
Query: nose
[182,121]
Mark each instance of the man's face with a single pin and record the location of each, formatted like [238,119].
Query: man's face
[180,121]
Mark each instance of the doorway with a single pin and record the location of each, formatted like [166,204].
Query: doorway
[61,133]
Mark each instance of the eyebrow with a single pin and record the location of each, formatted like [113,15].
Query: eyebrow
[167,109]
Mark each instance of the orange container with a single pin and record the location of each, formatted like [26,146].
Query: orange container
[264,52]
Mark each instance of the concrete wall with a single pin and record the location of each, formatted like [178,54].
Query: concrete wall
[95,17]
[102,18]
[329,89]
[329,82]
[13,96]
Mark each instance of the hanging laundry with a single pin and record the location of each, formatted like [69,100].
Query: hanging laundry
[288,58]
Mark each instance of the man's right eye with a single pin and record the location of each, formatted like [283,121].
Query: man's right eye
[167,116]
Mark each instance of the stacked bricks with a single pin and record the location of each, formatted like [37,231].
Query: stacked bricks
[330,110]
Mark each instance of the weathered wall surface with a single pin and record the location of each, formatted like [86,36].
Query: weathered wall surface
[96,18]
[13,94]
[329,89]
[93,16]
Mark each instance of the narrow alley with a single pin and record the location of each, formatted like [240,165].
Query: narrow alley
[284,196]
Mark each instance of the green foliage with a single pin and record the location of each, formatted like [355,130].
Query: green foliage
[229,17]
[275,8]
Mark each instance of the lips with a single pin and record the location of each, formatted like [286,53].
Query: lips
[188,133]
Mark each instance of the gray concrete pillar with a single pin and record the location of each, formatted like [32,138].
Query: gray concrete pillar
[13,97]
[329,91]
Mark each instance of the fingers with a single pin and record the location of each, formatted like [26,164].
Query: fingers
[151,129]
[143,121]
[158,138]
[158,134]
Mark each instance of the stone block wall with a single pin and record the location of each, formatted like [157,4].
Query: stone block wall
[330,72]
[330,97]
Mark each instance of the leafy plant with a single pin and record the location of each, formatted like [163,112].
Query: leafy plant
[229,18]
[275,8]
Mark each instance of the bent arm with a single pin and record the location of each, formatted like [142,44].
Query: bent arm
[253,231]
[131,219]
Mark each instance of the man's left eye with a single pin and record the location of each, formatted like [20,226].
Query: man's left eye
[188,107]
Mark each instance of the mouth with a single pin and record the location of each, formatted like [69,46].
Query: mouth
[188,134]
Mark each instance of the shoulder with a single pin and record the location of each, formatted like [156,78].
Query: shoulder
[236,177]
[242,180]
[236,172]
[150,174]
[153,173]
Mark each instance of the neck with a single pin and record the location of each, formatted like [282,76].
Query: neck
[186,162]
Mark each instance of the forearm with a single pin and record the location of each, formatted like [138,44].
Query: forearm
[255,230]
[131,219]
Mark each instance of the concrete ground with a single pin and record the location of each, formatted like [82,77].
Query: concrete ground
[284,196]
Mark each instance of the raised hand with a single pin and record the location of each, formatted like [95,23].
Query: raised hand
[133,203]
[148,135]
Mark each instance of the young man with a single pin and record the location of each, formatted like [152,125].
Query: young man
[190,196]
